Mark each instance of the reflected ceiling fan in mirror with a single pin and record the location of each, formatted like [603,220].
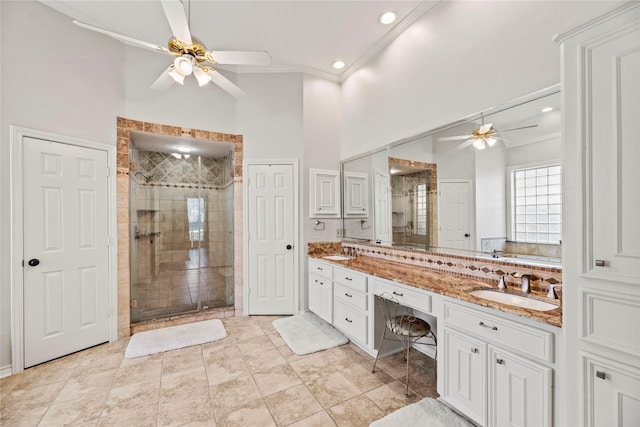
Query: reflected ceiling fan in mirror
[481,138]
[191,55]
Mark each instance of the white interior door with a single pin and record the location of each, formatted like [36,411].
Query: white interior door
[65,249]
[454,215]
[271,234]
[381,208]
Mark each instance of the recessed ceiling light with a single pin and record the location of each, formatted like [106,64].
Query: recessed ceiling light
[547,109]
[387,18]
[183,149]
[338,65]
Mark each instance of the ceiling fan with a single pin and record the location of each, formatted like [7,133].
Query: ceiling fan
[481,138]
[191,56]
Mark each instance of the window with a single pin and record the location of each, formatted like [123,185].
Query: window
[536,206]
[421,209]
[195,212]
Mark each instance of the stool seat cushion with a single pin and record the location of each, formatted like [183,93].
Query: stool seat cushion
[409,326]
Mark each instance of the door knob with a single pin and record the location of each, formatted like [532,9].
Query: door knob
[467,234]
[289,247]
[33,262]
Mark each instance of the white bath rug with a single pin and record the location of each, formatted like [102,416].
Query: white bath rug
[174,337]
[307,333]
[426,413]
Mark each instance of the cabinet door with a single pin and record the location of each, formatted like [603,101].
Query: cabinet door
[321,297]
[519,391]
[324,193]
[613,395]
[356,191]
[465,373]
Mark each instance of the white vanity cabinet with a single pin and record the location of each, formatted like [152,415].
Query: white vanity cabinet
[351,305]
[497,371]
[321,289]
[601,244]
[324,193]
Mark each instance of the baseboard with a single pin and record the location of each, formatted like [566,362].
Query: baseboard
[5,371]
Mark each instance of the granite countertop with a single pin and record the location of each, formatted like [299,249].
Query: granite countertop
[445,284]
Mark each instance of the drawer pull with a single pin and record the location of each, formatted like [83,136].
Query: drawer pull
[319,268]
[348,278]
[400,294]
[600,263]
[348,320]
[475,350]
[500,361]
[350,296]
[315,280]
[493,328]
[322,283]
[601,375]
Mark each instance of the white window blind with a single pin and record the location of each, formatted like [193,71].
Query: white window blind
[537,204]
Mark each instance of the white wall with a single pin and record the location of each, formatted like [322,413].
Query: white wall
[446,66]
[58,78]
[491,198]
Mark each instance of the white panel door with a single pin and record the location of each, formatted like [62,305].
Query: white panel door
[381,208]
[65,249]
[453,216]
[271,234]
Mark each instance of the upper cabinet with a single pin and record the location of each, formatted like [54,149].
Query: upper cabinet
[324,193]
[356,194]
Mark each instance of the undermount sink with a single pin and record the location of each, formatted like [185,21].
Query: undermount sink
[513,300]
[337,257]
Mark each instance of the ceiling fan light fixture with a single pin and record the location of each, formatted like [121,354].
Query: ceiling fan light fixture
[479,144]
[202,77]
[175,75]
[184,64]
[491,141]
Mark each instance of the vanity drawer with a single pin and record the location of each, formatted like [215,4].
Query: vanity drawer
[350,296]
[419,300]
[350,321]
[320,269]
[350,279]
[521,338]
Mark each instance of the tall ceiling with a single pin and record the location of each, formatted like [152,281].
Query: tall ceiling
[302,35]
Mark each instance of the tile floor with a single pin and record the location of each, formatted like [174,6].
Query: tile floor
[250,378]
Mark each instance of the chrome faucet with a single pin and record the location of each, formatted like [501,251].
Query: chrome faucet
[525,282]
[552,291]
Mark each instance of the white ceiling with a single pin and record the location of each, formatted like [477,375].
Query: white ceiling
[304,35]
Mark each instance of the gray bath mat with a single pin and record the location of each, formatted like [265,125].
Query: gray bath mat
[427,412]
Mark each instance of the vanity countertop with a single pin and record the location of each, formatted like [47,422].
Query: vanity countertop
[443,283]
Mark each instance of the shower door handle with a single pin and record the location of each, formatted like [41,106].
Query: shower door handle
[289,247]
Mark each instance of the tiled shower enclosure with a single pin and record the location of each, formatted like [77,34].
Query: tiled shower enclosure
[181,233]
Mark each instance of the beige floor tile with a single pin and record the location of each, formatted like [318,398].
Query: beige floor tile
[137,414]
[391,397]
[253,413]
[421,381]
[360,375]
[182,361]
[357,412]
[204,422]
[320,419]
[332,389]
[81,386]
[313,367]
[232,394]
[245,332]
[182,404]
[75,411]
[291,405]
[129,397]
[264,359]
[277,340]
[22,416]
[253,345]
[276,379]
[225,369]
[27,397]
[141,373]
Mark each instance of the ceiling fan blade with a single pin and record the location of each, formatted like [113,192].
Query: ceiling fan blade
[165,81]
[241,57]
[523,127]
[454,138]
[225,83]
[464,145]
[125,39]
[485,128]
[177,20]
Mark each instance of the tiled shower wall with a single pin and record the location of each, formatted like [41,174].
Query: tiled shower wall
[125,126]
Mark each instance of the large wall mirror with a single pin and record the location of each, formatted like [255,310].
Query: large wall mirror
[487,185]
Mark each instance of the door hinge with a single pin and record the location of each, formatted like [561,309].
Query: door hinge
[108,171]
[248,181]
[108,241]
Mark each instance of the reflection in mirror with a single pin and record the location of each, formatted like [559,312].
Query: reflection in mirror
[497,191]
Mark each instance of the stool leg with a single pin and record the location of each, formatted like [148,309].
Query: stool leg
[408,347]
[379,348]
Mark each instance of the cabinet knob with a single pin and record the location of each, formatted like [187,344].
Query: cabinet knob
[601,375]
[319,268]
[475,350]
[600,263]
[500,361]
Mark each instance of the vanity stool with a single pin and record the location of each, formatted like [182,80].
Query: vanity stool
[399,321]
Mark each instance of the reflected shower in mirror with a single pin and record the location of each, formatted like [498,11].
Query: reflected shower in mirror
[496,193]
